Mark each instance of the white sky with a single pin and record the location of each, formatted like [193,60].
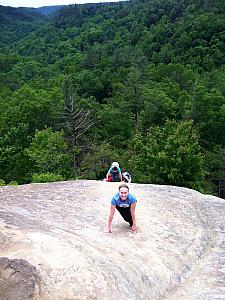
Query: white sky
[39,3]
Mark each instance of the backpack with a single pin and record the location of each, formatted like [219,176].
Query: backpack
[126,177]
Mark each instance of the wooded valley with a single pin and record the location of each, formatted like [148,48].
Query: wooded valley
[141,82]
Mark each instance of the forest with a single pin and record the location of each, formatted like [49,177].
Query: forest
[141,82]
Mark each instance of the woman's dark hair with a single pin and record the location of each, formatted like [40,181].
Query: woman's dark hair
[123,185]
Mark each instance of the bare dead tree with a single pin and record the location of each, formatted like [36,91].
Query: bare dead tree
[76,121]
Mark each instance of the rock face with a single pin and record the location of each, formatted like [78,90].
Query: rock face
[19,280]
[54,244]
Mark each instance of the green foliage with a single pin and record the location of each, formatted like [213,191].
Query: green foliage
[48,151]
[14,163]
[214,163]
[16,23]
[135,78]
[115,125]
[158,107]
[13,182]
[2,182]
[208,113]
[96,164]
[46,177]
[29,106]
[168,155]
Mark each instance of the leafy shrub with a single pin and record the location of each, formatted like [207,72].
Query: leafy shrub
[2,182]
[49,152]
[46,177]
[170,154]
[13,182]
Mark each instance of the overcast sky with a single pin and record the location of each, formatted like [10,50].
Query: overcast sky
[39,3]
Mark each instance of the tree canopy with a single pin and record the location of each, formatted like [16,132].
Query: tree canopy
[139,81]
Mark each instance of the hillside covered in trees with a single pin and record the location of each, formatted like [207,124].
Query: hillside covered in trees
[139,81]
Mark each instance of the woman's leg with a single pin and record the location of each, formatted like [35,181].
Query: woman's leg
[125,213]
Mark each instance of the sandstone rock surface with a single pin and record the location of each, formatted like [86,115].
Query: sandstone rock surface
[54,244]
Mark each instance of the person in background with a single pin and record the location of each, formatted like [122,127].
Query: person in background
[125,203]
[114,173]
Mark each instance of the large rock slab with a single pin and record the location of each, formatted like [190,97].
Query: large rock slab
[19,280]
[54,243]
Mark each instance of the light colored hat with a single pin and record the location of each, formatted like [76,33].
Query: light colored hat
[115,164]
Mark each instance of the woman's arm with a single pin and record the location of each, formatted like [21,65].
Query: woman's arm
[108,173]
[132,211]
[111,215]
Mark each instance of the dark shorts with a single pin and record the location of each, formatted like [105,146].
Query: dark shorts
[125,213]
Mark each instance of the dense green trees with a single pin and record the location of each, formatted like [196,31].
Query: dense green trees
[168,155]
[16,23]
[14,163]
[141,82]
[48,153]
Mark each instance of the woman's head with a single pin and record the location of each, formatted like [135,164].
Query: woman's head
[123,191]
[115,164]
